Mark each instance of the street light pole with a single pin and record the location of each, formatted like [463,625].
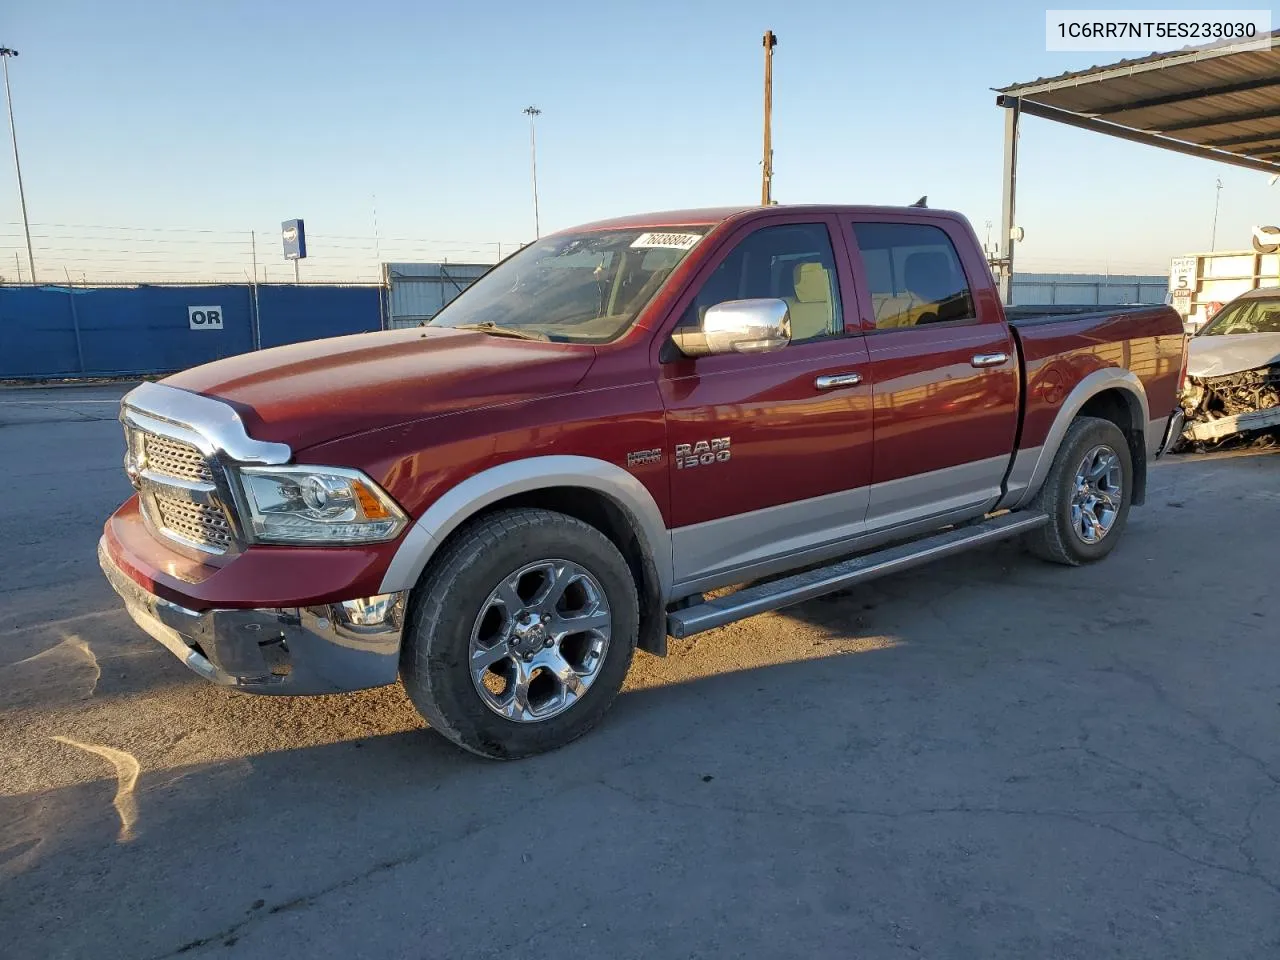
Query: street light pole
[533,112]
[5,54]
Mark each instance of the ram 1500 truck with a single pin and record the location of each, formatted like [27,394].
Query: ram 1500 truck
[501,506]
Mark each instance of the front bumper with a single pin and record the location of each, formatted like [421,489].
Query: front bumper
[330,648]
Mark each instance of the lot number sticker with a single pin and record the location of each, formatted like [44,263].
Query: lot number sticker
[205,318]
[668,241]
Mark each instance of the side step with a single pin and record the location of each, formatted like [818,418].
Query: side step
[814,583]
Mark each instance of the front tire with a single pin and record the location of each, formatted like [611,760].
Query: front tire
[521,633]
[1086,495]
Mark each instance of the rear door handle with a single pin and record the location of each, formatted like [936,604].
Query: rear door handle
[989,359]
[838,380]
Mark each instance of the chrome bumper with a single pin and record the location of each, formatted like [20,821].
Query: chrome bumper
[293,650]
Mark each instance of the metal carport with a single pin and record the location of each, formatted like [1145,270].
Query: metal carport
[1220,102]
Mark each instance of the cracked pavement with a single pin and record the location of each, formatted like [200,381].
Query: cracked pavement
[986,758]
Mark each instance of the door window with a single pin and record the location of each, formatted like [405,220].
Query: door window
[793,262]
[914,274]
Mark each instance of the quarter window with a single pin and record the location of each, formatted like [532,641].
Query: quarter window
[914,275]
[793,262]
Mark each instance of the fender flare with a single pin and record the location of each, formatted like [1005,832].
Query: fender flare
[475,493]
[1113,378]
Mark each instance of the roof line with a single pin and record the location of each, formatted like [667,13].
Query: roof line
[1188,96]
[1137,136]
[1096,75]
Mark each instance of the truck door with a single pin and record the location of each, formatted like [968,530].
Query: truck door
[944,370]
[770,456]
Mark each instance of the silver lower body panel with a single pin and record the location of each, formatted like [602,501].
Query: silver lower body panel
[331,648]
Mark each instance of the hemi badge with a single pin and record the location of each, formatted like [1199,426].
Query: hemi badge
[638,458]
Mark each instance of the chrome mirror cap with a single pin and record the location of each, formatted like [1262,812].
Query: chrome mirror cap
[738,326]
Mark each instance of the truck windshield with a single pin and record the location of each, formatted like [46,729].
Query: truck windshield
[578,288]
[1247,316]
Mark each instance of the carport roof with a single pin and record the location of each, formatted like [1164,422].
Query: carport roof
[1219,102]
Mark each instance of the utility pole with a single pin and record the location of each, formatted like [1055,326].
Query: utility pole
[1217,200]
[5,54]
[766,173]
[533,113]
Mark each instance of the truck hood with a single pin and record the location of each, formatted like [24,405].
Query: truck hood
[307,393]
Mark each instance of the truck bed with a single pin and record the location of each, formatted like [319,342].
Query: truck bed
[1061,312]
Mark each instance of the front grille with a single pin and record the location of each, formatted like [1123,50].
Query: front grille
[195,522]
[174,458]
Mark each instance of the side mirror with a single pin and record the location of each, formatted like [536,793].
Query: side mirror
[738,326]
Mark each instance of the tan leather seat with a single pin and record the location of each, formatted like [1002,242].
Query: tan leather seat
[810,308]
[894,311]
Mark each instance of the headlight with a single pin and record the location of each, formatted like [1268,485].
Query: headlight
[317,505]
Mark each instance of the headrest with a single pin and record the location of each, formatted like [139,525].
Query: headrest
[812,284]
[929,276]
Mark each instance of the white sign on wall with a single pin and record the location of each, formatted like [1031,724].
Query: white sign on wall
[204,318]
[1182,283]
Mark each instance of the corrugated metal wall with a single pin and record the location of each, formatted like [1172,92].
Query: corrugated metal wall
[420,290]
[53,332]
[1033,289]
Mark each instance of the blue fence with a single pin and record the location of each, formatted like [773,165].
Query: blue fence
[57,332]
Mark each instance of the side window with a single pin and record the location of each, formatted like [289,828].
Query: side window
[914,274]
[793,262]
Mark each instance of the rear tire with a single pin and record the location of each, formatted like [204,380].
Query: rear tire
[1086,495]
[492,657]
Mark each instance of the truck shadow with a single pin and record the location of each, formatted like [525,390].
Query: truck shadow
[985,680]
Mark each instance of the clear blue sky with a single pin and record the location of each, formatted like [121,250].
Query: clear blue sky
[232,116]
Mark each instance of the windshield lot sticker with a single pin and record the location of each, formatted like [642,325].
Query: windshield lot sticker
[668,241]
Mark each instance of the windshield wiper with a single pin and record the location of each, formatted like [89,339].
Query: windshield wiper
[488,326]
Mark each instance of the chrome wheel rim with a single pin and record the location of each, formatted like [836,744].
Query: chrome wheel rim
[539,640]
[1098,495]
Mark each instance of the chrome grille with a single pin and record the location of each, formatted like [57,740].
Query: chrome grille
[174,458]
[194,522]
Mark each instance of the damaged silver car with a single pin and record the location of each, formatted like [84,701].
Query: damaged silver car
[1232,389]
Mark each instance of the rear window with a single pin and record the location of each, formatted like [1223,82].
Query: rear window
[914,275]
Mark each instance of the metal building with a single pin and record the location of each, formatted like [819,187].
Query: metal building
[418,291]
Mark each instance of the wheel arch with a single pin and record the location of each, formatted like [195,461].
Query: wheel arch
[1113,394]
[594,491]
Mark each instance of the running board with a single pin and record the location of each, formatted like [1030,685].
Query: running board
[814,583]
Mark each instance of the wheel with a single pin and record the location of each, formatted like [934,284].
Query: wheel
[520,634]
[1086,495]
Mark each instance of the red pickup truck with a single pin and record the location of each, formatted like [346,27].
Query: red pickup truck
[500,506]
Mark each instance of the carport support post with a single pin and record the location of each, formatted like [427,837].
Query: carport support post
[1012,114]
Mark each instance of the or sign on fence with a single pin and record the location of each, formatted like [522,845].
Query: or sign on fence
[205,318]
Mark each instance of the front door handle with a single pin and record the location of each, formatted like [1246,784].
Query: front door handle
[838,380]
[989,359]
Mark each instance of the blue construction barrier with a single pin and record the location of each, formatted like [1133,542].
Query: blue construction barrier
[68,332]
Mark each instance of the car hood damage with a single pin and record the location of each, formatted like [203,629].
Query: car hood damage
[1232,392]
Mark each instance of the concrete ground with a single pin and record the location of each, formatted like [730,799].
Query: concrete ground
[989,758]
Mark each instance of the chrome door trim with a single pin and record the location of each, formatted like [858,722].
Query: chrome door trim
[835,381]
[989,360]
